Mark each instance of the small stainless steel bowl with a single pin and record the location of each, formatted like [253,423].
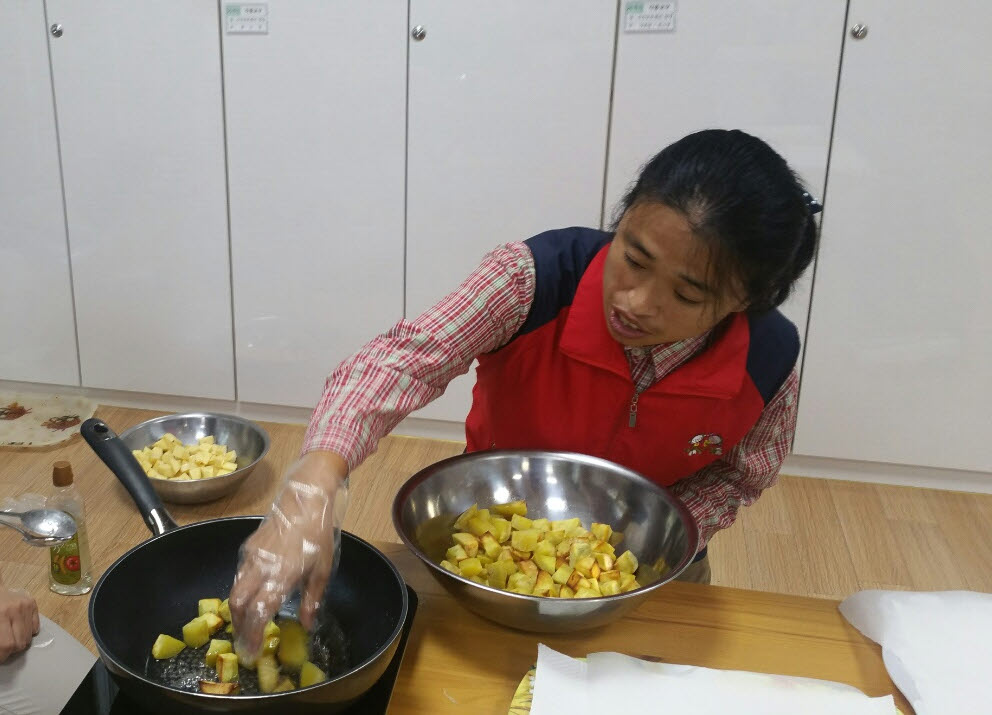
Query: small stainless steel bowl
[656,527]
[250,441]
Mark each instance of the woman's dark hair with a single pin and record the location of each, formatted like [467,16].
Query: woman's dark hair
[744,201]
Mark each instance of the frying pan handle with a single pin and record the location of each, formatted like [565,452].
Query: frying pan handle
[115,454]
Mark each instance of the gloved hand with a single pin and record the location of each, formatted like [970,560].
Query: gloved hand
[19,621]
[295,547]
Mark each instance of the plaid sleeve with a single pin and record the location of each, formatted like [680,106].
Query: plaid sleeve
[716,492]
[404,369]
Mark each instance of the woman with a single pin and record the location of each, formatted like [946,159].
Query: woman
[657,346]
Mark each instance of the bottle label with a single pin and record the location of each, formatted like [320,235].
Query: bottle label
[65,562]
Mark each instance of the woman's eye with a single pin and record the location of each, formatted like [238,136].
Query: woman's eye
[685,300]
[631,261]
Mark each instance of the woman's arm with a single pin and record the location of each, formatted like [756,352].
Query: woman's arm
[716,492]
[406,368]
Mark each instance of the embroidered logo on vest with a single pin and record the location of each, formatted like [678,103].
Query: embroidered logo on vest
[705,444]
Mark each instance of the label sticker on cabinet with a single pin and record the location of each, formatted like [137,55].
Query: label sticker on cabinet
[246,18]
[648,16]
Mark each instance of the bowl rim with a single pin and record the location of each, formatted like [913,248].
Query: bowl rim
[189,483]
[692,529]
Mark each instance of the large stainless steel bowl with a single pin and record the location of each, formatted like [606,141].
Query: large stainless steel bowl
[250,441]
[656,527]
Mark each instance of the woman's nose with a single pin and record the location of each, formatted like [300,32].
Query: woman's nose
[641,301]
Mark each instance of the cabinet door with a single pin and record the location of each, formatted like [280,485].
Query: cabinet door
[36,321]
[316,127]
[509,106]
[138,94]
[897,364]
[768,68]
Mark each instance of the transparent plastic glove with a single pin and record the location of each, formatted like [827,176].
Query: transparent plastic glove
[296,546]
[19,621]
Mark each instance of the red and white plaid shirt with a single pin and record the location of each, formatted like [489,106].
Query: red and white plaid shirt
[404,369]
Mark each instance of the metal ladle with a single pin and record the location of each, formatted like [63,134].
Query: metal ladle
[40,527]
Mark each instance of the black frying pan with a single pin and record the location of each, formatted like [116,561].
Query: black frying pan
[154,588]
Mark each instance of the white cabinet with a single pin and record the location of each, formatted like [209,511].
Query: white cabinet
[139,102]
[768,68]
[38,342]
[316,126]
[508,115]
[897,365]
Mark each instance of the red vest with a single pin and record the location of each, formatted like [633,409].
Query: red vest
[565,384]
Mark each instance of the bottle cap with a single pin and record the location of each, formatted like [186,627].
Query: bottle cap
[62,474]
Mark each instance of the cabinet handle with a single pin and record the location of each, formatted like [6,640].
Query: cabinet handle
[418,33]
[56,30]
[859,31]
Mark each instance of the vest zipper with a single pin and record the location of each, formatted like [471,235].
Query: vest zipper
[632,419]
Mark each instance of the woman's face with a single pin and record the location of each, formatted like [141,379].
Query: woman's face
[656,283]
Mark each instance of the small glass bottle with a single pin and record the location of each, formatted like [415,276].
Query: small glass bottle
[69,573]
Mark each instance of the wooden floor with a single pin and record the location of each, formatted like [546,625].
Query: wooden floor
[811,537]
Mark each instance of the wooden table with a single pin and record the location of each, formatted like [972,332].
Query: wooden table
[456,662]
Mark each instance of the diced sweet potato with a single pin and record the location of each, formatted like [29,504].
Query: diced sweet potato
[521,582]
[520,523]
[565,524]
[627,563]
[525,540]
[501,529]
[455,554]
[609,588]
[208,605]
[584,565]
[461,523]
[563,574]
[216,648]
[478,525]
[528,567]
[268,673]
[225,610]
[587,593]
[211,688]
[490,545]
[467,541]
[605,561]
[578,551]
[227,667]
[448,566]
[542,525]
[603,532]
[545,563]
[292,645]
[566,592]
[543,584]
[167,647]
[270,645]
[470,567]
[310,674]
[511,508]
[520,555]
[544,547]
[196,633]
[555,537]
[213,621]
[285,684]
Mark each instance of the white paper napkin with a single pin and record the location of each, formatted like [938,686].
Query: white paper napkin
[937,646]
[41,680]
[611,682]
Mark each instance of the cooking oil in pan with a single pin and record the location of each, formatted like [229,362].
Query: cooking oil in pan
[328,651]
